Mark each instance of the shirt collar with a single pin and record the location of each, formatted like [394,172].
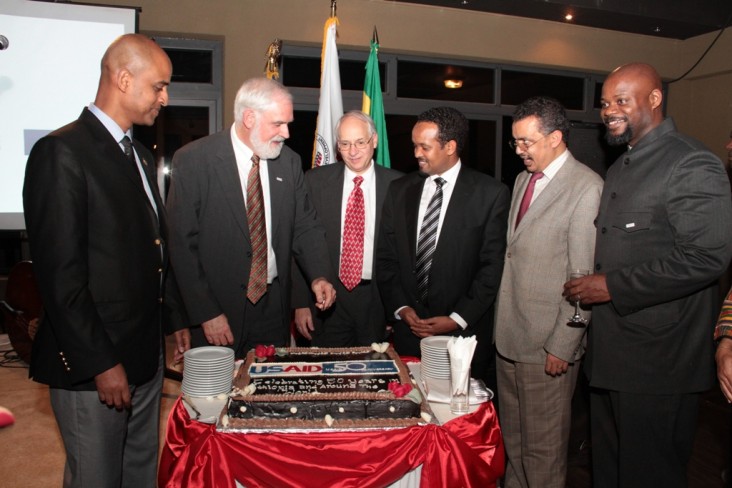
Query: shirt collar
[554,167]
[367,175]
[109,123]
[450,176]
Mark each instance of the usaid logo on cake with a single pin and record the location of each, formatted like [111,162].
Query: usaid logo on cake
[375,367]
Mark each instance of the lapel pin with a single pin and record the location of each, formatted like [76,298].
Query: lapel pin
[279,179]
[630,225]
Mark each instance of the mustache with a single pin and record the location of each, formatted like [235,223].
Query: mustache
[615,118]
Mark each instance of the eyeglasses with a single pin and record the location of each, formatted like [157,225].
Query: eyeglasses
[359,144]
[523,144]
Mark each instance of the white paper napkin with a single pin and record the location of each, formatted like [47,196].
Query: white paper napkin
[438,391]
[461,354]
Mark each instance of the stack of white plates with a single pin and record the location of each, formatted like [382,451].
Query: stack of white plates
[435,358]
[207,371]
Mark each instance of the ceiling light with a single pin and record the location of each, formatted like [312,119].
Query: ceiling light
[568,17]
[453,83]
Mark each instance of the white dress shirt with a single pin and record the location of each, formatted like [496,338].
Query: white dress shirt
[549,173]
[428,190]
[368,186]
[244,163]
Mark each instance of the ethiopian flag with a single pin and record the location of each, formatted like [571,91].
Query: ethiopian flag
[373,105]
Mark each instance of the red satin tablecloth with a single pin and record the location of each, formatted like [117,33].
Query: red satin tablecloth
[465,452]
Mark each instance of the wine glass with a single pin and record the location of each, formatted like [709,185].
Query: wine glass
[577,320]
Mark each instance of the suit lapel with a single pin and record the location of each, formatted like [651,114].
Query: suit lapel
[545,199]
[228,174]
[522,180]
[412,195]
[380,194]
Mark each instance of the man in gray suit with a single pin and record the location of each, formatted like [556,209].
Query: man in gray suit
[238,213]
[550,231]
[664,236]
[358,319]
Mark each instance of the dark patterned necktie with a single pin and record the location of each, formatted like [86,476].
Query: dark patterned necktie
[353,232]
[257,285]
[427,241]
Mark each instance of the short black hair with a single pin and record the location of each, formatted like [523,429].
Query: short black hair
[550,113]
[452,125]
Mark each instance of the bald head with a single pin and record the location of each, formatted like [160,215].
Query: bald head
[631,104]
[134,79]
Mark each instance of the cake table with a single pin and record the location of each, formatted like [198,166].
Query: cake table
[466,451]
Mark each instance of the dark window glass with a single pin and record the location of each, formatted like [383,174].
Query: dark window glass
[517,86]
[427,81]
[598,95]
[479,151]
[175,127]
[191,65]
[305,73]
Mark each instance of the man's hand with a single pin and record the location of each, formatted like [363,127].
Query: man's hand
[409,316]
[304,322]
[555,366]
[217,331]
[588,289]
[724,366]
[113,388]
[182,344]
[434,326]
[324,292]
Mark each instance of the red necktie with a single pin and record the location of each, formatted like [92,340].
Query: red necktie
[257,285]
[353,231]
[528,194]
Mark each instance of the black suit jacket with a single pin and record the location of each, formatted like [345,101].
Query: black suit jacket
[99,257]
[325,186]
[468,260]
[210,244]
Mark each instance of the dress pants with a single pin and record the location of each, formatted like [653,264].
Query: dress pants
[355,319]
[265,322]
[641,440]
[105,447]
[536,416]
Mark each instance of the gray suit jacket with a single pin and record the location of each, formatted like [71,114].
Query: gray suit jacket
[664,236]
[556,234]
[209,235]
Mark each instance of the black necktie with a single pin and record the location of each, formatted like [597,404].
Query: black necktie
[129,152]
[427,241]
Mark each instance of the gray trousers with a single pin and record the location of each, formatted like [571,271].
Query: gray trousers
[107,448]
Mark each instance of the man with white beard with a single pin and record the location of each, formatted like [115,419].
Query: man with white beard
[238,213]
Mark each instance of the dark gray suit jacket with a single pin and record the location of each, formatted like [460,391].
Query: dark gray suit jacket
[325,186]
[664,236]
[209,241]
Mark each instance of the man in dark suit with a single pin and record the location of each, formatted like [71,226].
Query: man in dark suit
[448,289]
[239,211]
[351,218]
[664,236]
[97,232]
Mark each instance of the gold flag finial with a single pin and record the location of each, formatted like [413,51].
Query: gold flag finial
[272,68]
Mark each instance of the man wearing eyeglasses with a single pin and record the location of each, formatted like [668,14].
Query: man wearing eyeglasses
[348,196]
[441,243]
[550,231]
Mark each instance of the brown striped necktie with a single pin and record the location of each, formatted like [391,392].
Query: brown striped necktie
[257,286]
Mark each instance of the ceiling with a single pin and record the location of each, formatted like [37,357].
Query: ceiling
[676,19]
